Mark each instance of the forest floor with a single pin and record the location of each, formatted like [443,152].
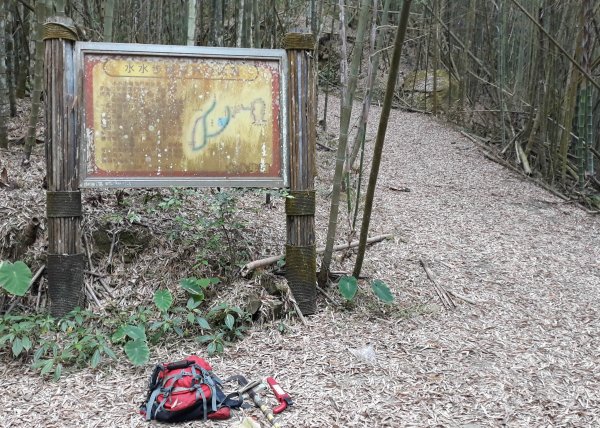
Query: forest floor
[524,352]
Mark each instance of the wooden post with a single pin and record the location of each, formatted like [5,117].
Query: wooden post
[63,198]
[301,264]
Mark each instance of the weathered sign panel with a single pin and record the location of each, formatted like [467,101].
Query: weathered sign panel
[182,116]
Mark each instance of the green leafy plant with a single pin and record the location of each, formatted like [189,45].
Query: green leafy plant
[163,299]
[348,287]
[19,333]
[76,340]
[382,291]
[216,342]
[169,320]
[80,338]
[196,288]
[173,201]
[15,277]
[135,343]
[228,325]
[231,320]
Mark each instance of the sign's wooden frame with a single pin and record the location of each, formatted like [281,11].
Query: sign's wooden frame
[137,51]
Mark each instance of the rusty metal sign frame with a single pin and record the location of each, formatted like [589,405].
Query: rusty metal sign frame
[139,50]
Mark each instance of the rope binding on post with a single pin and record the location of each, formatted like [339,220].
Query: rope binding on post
[301,202]
[59,28]
[299,41]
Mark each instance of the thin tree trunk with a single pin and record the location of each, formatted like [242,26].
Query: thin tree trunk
[328,83]
[38,83]
[343,141]
[247,23]
[240,26]
[569,107]
[10,56]
[191,23]
[383,122]
[359,143]
[558,45]
[4,101]
[374,56]
[255,25]
[502,66]
[314,18]
[588,51]
[108,20]
[217,24]
[22,53]
[88,19]
[60,6]
[436,56]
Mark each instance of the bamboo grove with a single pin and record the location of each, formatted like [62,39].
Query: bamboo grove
[520,76]
[526,77]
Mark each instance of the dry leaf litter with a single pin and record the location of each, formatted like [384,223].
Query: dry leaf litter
[525,354]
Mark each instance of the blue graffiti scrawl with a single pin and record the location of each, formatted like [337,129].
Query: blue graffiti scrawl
[200,131]
[199,142]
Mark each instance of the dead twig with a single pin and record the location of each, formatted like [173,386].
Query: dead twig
[249,267]
[327,296]
[327,148]
[110,253]
[91,266]
[91,294]
[297,309]
[461,297]
[441,291]
[96,274]
[12,305]
[37,274]
[39,295]
[290,297]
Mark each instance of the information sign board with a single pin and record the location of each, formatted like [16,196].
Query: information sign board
[182,116]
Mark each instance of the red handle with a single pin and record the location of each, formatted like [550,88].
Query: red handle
[282,396]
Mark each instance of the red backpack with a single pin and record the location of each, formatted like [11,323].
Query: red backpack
[187,390]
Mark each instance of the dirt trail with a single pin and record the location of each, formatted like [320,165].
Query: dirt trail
[526,354]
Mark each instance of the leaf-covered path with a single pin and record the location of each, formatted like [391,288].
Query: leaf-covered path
[526,353]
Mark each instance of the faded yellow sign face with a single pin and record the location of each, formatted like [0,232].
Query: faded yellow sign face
[158,116]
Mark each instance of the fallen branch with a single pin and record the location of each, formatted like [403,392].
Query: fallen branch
[110,253]
[297,309]
[461,297]
[441,292]
[39,295]
[327,296]
[91,266]
[37,274]
[249,267]
[91,295]
[329,149]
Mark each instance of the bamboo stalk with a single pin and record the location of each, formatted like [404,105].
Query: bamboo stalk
[343,140]
[40,9]
[108,20]
[191,23]
[4,98]
[554,42]
[383,122]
